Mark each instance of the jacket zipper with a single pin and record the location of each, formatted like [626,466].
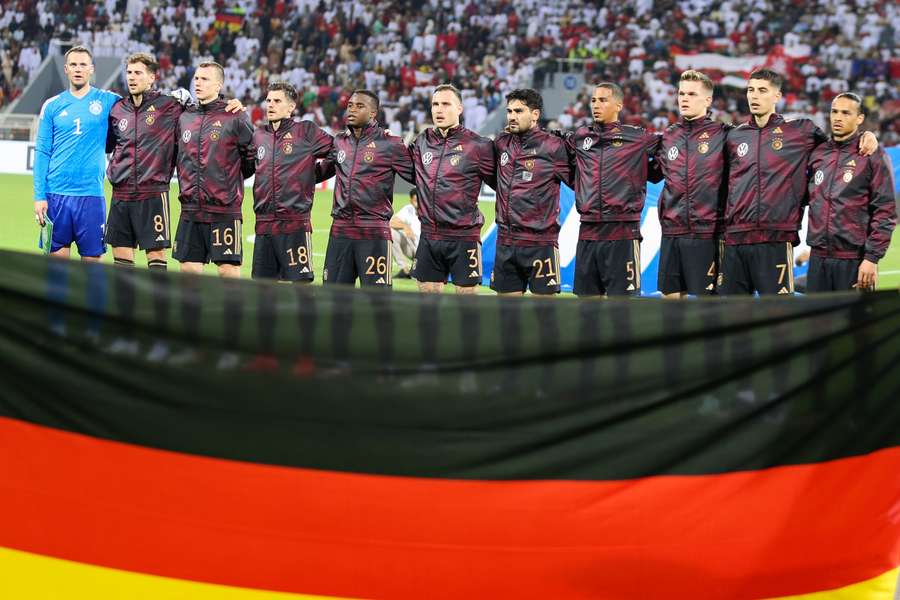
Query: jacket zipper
[834,169]
[273,208]
[509,196]
[352,173]
[759,176]
[134,166]
[434,187]
[687,177]
[600,176]
[200,160]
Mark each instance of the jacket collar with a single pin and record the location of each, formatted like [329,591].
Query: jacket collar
[774,121]
[696,122]
[286,125]
[368,131]
[452,133]
[852,141]
[602,127]
[527,136]
[149,96]
[216,105]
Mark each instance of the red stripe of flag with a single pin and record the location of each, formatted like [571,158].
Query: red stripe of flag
[780,531]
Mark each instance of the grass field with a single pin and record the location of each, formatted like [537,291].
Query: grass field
[18,230]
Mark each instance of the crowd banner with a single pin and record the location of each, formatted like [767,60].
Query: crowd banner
[171,435]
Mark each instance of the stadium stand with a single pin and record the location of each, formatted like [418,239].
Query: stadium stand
[328,48]
[843,46]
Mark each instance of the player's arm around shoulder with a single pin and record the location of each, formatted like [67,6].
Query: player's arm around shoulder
[327,167]
[320,142]
[109,99]
[485,160]
[868,143]
[558,154]
[244,134]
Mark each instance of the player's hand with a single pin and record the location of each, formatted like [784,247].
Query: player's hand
[40,212]
[235,106]
[867,275]
[868,143]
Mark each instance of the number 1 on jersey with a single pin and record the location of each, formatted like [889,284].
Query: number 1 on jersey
[77,126]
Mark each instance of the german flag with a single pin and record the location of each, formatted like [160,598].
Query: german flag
[230,18]
[84,517]
[765,477]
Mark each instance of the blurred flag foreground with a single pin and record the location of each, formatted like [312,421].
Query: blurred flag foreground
[629,449]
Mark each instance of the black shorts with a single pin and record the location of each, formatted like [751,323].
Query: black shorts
[517,268]
[208,242]
[139,223]
[832,274]
[689,265]
[436,259]
[608,267]
[284,256]
[347,260]
[767,268]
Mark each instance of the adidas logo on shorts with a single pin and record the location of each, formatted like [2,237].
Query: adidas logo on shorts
[474,274]
[630,287]
[228,251]
[709,287]
[380,280]
[783,290]
[551,282]
[160,238]
[304,270]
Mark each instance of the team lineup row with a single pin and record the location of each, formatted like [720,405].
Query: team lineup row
[730,209]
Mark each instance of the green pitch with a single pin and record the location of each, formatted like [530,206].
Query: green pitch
[18,230]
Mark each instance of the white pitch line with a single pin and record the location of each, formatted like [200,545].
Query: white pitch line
[894,272]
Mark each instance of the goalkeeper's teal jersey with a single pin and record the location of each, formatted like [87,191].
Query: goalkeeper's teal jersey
[70,153]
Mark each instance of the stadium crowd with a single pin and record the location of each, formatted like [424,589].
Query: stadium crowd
[327,48]
[825,49]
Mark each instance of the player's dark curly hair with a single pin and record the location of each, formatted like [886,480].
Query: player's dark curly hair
[370,94]
[529,97]
[860,107]
[614,90]
[776,79]
[290,92]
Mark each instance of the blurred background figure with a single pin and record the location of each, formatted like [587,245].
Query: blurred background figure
[405,230]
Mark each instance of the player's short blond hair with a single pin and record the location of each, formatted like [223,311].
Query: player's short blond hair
[219,69]
[79,50]
[703,78]
[446,87]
